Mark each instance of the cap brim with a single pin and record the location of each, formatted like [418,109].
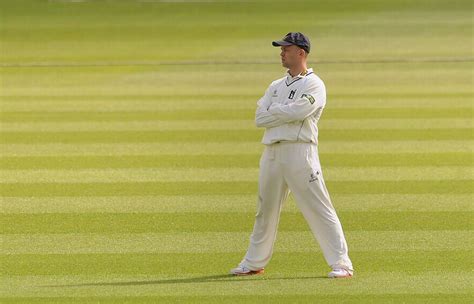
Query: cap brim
[281,43]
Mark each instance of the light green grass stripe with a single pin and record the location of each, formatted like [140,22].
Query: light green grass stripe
[181,263]
[366,124]
[190,148]
[137,222]
[187,115]
[219,135]
[368,147]
[363,77]
[328,160]
[228,174]
[139,125]
[225,203]
[217,242]
[163,102]
[217,283]
[218,103]
[216,99]
[229,188]
[444,298]
[325,124]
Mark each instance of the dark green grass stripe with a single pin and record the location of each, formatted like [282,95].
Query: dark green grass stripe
[192,263]
[217,114]
[230,160]
[222,222]
[264,299]
[228,188]
[227,136]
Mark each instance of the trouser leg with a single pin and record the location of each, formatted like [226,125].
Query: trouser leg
[305,179]
[272,192]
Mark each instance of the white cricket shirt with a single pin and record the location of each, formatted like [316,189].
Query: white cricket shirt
[291,108]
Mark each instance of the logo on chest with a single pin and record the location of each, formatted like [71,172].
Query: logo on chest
[292,94]
[314,177]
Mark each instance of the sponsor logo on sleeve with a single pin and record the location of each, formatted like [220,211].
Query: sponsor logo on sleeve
[309,97]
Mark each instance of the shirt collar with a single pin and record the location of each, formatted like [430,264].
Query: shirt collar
[303,74]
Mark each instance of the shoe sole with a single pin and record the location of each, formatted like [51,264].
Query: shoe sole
[253,272]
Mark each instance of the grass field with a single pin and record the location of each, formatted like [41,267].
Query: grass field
[129,154]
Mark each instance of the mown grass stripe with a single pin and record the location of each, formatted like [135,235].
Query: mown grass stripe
[203,97]
[272,283]
[235,203]
[160,102]
[98,104]
[328,160]
[227,135]
[236,114]
[222,222]
[227,148]
[221,242]
[165,263]
[217,103]
[239,299]
[227,174]
[325,124]
[229,188]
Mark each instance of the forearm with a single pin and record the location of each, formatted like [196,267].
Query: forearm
[287,113]
[264,119]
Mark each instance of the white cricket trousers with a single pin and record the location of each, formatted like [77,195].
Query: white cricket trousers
[295,167]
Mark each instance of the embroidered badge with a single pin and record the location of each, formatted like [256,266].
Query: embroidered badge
[292,94]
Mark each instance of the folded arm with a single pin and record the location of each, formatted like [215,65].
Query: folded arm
[263,118]
[314,97]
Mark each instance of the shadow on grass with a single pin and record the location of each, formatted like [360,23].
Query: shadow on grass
[204,279]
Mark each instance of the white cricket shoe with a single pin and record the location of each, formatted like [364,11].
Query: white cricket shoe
[338,273]
[244,271]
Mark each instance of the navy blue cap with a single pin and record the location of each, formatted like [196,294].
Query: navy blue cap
[294,38]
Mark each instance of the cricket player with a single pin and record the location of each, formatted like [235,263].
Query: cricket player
[289,111]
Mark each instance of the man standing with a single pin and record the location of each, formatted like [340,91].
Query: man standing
[290,110]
